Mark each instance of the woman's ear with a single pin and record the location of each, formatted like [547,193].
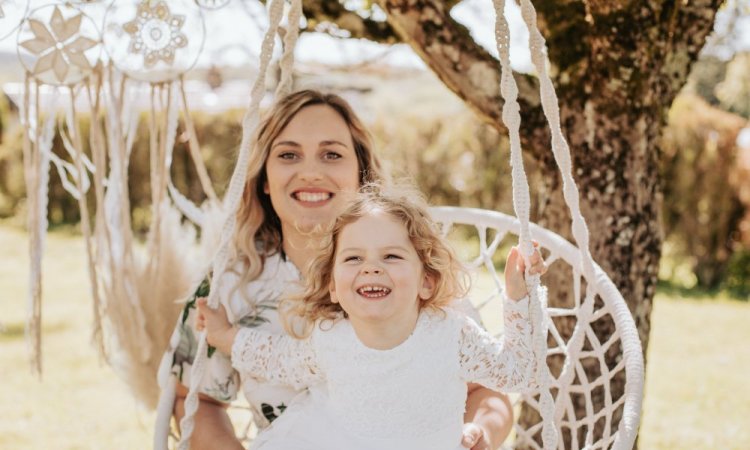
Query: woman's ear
[266,189]
[427,289]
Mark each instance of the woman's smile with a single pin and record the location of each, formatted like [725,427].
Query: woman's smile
[312,197]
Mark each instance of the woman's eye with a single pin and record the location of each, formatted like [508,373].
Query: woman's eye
[287,155]
[332,155]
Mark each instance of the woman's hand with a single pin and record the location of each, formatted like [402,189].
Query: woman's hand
[219,332]
[515,281]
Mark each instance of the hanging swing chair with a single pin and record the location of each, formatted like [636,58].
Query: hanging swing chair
[118,274]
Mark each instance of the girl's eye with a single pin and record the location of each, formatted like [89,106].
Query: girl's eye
[331,155]
[392,256]
[351,258]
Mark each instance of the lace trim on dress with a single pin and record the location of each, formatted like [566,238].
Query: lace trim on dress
[274,358]
[507,364]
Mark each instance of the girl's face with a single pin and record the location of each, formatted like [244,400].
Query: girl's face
[377,274]
[310,164]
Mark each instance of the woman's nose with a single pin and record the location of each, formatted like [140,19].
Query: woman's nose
[310,171]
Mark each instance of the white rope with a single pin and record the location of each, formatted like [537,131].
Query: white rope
[290,42]
[521,204]
[560,148]
[231,201]
[562,156]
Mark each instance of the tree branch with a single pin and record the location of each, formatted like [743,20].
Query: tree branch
[318,12]
[462,65]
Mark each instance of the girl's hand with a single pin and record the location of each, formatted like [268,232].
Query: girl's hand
[474,437]
[515,281]
[219,332]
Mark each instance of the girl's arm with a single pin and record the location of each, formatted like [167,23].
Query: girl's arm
[508,364]
[272,357]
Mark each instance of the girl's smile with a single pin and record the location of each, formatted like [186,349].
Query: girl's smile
[379,279]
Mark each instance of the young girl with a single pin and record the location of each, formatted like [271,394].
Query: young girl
[387,361]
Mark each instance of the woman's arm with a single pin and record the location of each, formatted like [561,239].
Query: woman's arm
[212,428]
[488,419]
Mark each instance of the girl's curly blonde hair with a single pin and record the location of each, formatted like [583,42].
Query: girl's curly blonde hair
[403,203]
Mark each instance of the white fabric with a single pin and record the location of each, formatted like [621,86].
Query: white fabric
[409,397]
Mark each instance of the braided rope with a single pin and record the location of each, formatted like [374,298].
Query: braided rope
[231,201]
[561,152]
[290,42]
[521,204]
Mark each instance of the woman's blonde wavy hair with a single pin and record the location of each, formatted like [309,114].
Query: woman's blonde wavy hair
[406,205]
[258,231]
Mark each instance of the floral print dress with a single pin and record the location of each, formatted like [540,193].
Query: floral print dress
[256,307]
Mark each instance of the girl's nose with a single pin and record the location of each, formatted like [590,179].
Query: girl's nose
[371,269]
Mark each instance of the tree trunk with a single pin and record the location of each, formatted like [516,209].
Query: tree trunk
[616,66]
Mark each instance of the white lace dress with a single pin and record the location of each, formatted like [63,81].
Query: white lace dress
[411,397]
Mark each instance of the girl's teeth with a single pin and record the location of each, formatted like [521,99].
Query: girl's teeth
[312,196]
[374,291]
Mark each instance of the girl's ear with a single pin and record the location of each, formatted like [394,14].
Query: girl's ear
[266,189]
[428,287]
[332,292]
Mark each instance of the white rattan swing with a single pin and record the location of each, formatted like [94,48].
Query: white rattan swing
[109,250]
[601,297]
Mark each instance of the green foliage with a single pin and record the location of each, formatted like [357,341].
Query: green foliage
[219,135]
[737,279]
[701,211]
[705,75]
[724,84]
[734,91]
[454,159]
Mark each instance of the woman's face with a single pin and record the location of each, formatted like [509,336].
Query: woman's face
[310,165]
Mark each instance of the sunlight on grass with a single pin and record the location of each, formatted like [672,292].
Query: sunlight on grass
[697,395]
[696,390]
[79,403]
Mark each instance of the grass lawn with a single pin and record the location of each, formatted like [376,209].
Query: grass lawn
[696,391]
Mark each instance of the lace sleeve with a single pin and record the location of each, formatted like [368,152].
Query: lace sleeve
[507,364]
[275,358]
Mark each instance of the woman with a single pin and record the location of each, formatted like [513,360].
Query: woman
[310,150]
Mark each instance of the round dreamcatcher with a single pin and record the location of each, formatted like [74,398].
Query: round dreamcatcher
[58,44]
[154,41]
